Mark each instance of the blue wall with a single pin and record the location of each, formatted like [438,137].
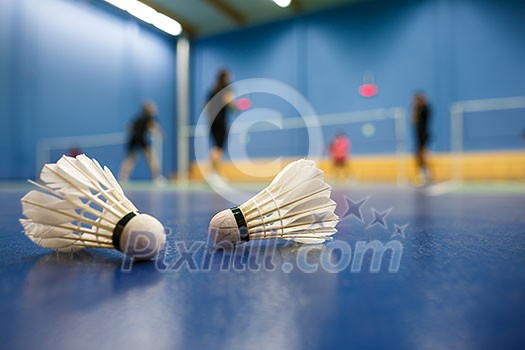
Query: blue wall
[72,68]
[453,50]
[81,67]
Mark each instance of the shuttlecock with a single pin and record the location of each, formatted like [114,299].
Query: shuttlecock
[295,206]
[84,206]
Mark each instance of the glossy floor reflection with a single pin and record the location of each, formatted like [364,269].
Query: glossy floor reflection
[460,282]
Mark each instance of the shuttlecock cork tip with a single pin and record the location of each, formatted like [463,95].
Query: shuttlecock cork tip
[142,237]
[228,227]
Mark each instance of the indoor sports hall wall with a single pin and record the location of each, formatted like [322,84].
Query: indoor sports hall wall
[74,68]
[453,50]
[81,67]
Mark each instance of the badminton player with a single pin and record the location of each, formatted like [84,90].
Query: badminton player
[339,151]
[139,141]
[217,114]
[420,119]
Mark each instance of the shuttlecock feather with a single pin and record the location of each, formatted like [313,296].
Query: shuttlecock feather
[295,206]
[82,205]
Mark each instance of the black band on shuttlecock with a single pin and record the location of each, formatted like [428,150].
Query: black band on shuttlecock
[117,231]
[241,224]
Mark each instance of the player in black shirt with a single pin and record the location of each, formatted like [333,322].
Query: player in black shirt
[421,118]
[139,141]
[217,115]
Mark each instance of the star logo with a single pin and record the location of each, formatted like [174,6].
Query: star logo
[318,219]
[354,208]
[399,231]
[379,218]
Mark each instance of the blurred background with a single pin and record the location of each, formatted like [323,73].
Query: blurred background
[73,74]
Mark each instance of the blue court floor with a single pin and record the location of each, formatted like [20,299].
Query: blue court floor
[408,269]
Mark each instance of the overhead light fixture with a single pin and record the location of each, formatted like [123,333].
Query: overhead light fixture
[121,4]
[283,3]
[167,24]
[148,15]
[141,11]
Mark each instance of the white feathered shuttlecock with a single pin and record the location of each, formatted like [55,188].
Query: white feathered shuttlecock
[84,206]
[295,206]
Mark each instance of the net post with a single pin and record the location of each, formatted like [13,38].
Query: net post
[158,143]
[399,116]
[456,140]
[183,85]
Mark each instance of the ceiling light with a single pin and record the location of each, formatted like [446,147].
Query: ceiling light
[167,24]
[282,3]
[141,11]
[121,4]
[148,15]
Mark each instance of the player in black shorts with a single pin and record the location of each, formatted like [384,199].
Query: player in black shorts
[139,141]
[217,114]
[421,118]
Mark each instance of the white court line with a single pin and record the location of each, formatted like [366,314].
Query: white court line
[442,188]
